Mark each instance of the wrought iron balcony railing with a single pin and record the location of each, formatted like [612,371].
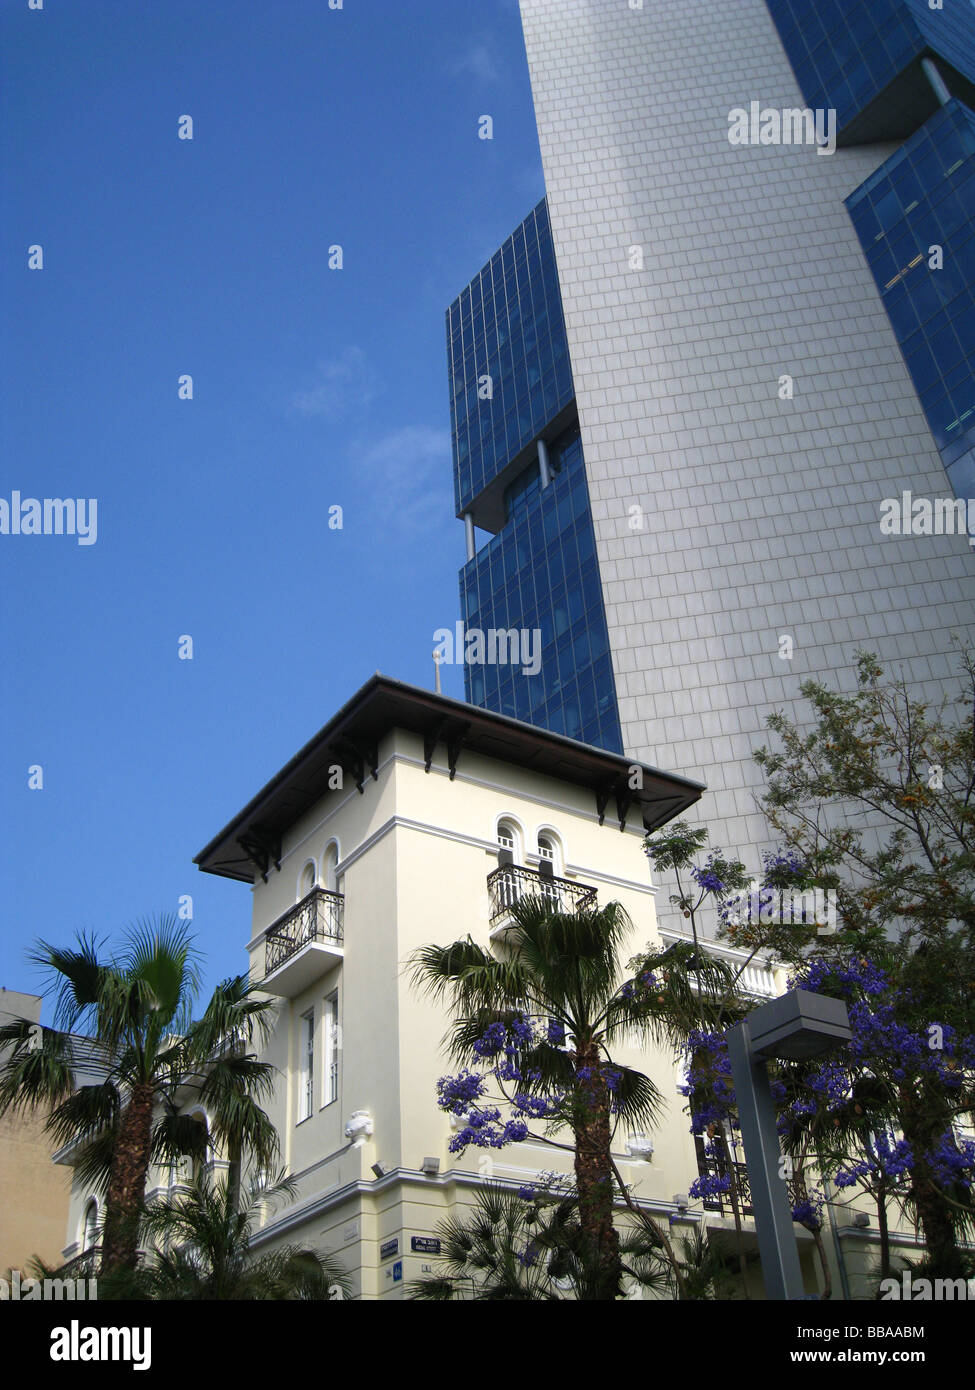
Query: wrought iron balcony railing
[81,1266]
[319,917]
[510,884]
[721,1201]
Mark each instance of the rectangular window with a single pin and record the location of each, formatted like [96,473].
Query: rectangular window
[306,1043]
[331,1031]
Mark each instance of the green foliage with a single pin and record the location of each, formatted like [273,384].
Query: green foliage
[878,798]
[130,1016]
[201,1244]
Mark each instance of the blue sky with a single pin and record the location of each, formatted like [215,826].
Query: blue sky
[312,388]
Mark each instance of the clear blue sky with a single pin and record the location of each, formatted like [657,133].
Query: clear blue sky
[312,388]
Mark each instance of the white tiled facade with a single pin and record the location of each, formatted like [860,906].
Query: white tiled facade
[760,516]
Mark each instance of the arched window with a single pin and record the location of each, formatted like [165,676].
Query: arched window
[549,853]
[309,877]
[549,866]
[89,1230]
[509,846]
[330,860]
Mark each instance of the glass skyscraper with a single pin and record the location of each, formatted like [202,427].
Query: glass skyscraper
[520,475]
[902,70]
[685,391]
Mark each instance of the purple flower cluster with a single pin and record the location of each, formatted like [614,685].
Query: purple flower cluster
[521,1031]
[706,877]
[708,1082]
[784,868]
[890,1158]
[491,1041]
[484,1130]
[504,1044]
[710,1185]
[848,1177]
[953,1162]
[831,1084]
[859,975]
[457,1094]
[809,1214]
[536,1107]
[882,1041]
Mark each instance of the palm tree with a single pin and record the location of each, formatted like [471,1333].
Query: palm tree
[202,1244]
[495,1254]
[564,967]
[707,1273]
[135,1010]
[509,1248]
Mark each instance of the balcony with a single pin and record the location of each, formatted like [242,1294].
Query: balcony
[757,977]
[510,884]
[303,943]
[720,1202]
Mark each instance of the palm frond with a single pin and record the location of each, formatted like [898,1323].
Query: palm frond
[36,1066]
[158,960]
[75,979]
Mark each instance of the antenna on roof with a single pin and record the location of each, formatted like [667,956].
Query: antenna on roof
[437,658]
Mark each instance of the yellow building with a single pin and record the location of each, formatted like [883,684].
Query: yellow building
[34,1193]
[411,819]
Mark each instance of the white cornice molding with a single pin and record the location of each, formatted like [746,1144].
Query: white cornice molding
[408,761]
[454,1177]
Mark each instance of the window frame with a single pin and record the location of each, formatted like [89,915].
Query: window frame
[332,1049]
[306,1066]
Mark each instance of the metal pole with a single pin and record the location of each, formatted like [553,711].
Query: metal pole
[469,535]
[770,1192]
[837,1243]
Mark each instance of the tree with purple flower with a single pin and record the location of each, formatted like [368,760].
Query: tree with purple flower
[543,1023]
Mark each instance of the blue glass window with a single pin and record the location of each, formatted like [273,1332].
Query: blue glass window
[931,310]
